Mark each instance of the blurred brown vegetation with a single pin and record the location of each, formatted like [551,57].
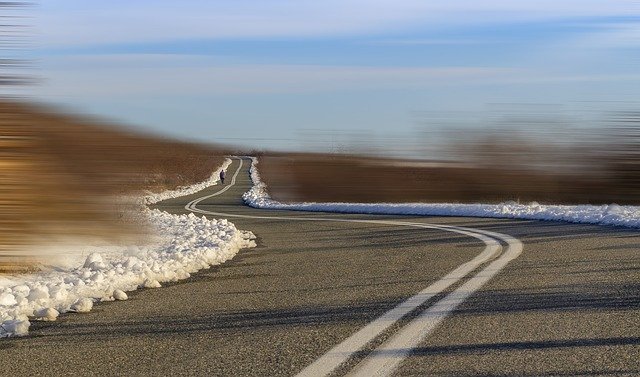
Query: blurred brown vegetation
[598,168]
[60,174]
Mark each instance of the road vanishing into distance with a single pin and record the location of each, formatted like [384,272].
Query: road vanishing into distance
[339,294]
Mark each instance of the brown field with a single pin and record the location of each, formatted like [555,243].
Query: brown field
[59,174]
[343,178]
[520,162]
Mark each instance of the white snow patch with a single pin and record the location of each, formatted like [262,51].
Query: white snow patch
[7,299]
[151,283]
[120,295]
[83,305]
[189,244]
[46,314]
[16,327]
[153,198]
[184,244]
[612,214]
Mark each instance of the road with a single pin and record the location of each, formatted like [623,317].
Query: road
[482,297]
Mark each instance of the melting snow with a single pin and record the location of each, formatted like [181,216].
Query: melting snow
[153,198]
[611,214]
[188,244]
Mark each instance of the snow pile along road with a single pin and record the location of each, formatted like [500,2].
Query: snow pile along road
[153,198]
[184,244]
[612,214]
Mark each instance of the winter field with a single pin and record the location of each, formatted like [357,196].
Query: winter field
[184,244]
[181,246]
[60,171]
[607,214]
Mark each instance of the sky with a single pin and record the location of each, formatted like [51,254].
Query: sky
[300,74]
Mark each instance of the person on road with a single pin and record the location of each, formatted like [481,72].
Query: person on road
[222,175]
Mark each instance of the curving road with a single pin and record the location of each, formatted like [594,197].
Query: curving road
[367,295]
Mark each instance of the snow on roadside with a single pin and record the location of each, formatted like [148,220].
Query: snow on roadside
[612,214]
[153,198]
[183,245]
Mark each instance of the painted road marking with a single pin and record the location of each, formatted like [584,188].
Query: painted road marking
[385,359]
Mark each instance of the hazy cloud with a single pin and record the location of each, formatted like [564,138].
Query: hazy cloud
[113,75]
[73,22]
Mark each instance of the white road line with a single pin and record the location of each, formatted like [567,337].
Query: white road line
[233,182]
[419,327]
[339,354]
[384,360]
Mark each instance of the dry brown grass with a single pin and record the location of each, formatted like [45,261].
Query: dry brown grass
[340,178]
[59,174]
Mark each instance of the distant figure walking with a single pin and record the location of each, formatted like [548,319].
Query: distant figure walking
[222,175]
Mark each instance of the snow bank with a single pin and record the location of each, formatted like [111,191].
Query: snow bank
[153,198]
[612,214]
[187,244]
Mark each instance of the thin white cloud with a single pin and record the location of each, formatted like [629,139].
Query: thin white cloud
[114,75]
[74,22]
[149,75]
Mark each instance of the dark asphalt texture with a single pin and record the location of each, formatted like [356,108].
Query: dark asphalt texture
[569,305]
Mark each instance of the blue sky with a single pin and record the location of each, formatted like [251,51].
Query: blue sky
[290,74]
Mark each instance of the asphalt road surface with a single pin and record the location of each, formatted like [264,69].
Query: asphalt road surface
[364,295]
